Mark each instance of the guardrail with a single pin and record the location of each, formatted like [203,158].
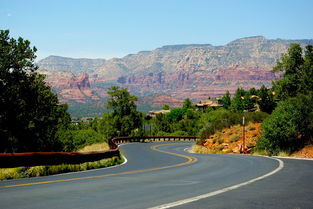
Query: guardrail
[126,139]
[10,160]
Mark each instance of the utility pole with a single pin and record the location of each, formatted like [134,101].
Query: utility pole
[243,135]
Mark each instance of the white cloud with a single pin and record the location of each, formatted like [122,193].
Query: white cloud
[9,14]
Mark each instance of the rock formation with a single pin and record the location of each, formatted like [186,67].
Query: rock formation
[181,71]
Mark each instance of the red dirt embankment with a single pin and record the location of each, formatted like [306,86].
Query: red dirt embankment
[230,140]
[306,152]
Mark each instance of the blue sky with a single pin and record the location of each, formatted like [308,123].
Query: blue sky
[115,28]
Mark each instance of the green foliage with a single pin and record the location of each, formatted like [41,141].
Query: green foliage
[237,104]
[289,126]
[234,138]
[81,134]
[175,133]
[221,118]
[226,100]
[247,101]
[165,107]
[188,104]
[217,120]
[161,123]
[84,137]
[255,117]
[176,115]
[179,120]
[266,102]
[30,117]
[297,72]
[124,118]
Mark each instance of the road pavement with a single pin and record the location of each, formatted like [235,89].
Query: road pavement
[157,174]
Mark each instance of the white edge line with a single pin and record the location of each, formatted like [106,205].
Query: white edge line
[294,158]
[211,194]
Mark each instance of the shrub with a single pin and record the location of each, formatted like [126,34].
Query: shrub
[255,117]
[288,127]
[220,140]
[234,138]
[254,134]
[251,127]
[220,147]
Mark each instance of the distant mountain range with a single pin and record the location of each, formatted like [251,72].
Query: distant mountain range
[175,72]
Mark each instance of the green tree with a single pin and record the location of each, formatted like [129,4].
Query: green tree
[188,104]
[306,79]
[290,125]
[176,114]
[226,100]
[166,107]
[30,117]
[161,124]
[297,72]
[249,101]
[125,118]
[237,104]
[266,102]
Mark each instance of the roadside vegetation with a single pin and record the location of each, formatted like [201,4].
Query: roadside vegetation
[35,171]
[290,126]
[230,140]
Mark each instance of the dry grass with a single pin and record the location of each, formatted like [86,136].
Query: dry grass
[263,152]
[305,152]
[283,154]
[95,147]
[201,149]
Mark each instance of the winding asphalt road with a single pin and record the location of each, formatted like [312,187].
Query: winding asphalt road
[163,175]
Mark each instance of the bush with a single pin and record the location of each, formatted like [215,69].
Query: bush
[234,138]
[220,140]
[255,117]
[289,126]
[217,120]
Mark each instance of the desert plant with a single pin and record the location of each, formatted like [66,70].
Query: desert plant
[251,127]
[234,138]
[220,140]
[219,147]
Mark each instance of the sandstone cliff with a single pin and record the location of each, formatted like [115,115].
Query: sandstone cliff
[181,71]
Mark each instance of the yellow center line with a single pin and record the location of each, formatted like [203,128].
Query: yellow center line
[155,148]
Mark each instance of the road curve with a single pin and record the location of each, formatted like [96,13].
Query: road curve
[162,173]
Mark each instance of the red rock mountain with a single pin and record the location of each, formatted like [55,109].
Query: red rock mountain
[178,71]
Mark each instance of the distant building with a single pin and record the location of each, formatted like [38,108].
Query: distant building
[214,103]
[152,114]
